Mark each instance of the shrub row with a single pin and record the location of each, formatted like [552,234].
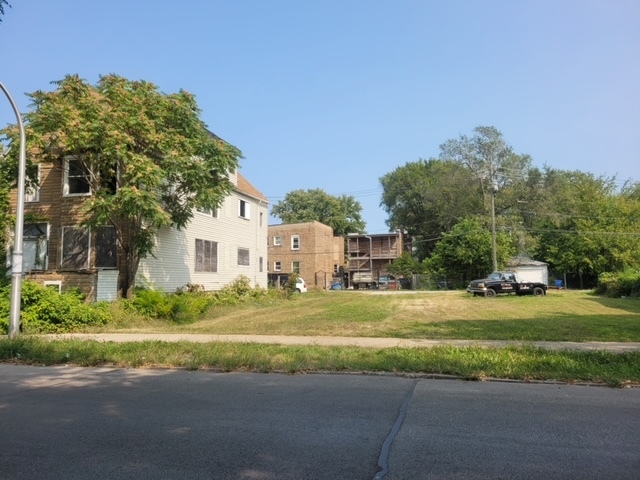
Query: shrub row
[619,284]
[44,310]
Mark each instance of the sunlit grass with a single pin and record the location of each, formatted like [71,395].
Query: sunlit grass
[560,316]
[474,363]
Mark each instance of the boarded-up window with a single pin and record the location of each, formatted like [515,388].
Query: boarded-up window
[106,247]
[243,256]
[206,256]
[75,248]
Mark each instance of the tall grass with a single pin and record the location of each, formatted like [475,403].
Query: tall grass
[474,363]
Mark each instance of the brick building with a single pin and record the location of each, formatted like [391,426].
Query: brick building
[309,249]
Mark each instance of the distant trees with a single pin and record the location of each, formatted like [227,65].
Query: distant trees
[580,224]
[342,213]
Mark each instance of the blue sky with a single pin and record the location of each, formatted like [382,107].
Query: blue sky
[334,94]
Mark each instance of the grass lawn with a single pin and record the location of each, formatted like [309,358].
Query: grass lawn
[560,316]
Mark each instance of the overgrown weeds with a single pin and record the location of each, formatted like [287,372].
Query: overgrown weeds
[472,363]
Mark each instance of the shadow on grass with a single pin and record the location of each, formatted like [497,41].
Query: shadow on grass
[559,327]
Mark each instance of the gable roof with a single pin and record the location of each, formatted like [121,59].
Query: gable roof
[245,187]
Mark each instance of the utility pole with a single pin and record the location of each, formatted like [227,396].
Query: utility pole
[16,259]
[494,190]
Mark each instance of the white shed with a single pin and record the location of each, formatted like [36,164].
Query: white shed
[529,270]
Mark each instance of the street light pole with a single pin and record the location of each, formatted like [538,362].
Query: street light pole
[16,259]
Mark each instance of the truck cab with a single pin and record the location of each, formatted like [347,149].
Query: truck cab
[505,282]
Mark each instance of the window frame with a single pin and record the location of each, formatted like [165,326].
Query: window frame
[277,240]
[206,246]
[41,251]
[66,188]
[63,246]
[244,209]
[277,266]
[241,256]
[101,245]
[295,239]
[295,266]
[34,195]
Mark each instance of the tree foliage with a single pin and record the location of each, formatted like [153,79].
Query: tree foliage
[465,252]
[428,197]
[342,213]
[405,266]
[2,5]
[586,226]
[151,159]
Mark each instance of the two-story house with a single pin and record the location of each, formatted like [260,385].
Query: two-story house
[213,250]
[309,249]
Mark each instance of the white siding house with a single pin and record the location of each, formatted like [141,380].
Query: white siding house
[216,247]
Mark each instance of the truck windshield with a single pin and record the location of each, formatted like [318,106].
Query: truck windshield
[495,276]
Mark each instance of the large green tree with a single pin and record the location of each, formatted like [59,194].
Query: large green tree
[428,197]
[465,252]
[150,157]
[342,213]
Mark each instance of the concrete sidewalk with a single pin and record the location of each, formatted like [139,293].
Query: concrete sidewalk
[371,342]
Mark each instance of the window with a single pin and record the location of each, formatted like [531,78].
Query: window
[208,212]
[244,211]
[76,177]
[75,248]
[206,256]
[277,266]
[54,285]
[295,242]
[243,256]
[260,264]
[32,194]
[260,218]
[335,268]
[106,247]
[34,245]
[277,241]
[295,267]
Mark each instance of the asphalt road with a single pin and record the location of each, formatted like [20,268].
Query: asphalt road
[100,423]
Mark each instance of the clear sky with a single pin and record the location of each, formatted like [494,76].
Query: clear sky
[334,94]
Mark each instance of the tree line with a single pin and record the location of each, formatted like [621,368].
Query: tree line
[582,225]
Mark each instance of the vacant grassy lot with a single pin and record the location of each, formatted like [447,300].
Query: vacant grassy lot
[560,316]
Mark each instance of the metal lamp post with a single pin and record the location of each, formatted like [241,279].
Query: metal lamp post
[16,260]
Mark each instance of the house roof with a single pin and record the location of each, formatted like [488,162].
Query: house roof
[245,187]
[524,261]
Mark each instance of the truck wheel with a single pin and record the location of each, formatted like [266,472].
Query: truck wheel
[538,291]
[490,293]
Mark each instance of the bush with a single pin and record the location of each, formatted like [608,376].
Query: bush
[619,284]
[44,310]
